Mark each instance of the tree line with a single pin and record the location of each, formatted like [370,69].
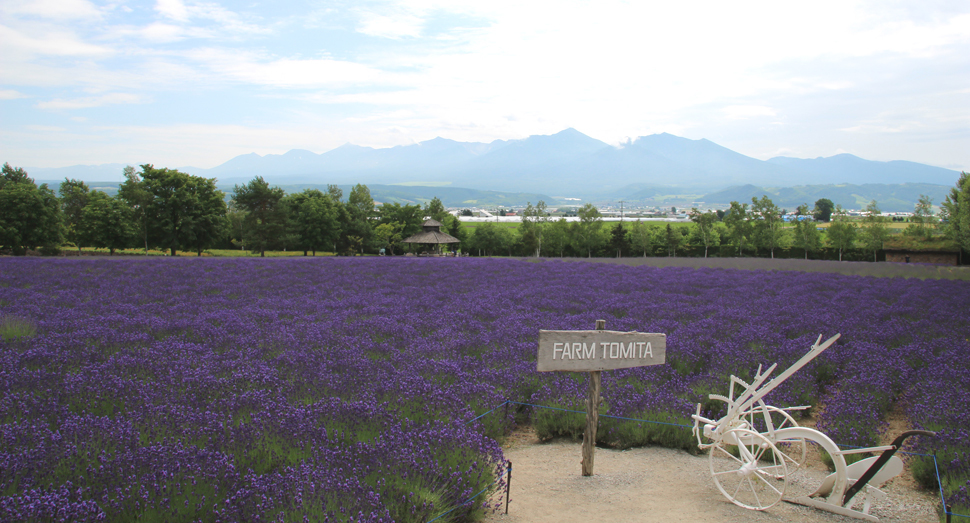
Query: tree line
[171,210]
[755,229]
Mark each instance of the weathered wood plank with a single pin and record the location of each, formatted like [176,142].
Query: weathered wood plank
[584,351]
[592,421]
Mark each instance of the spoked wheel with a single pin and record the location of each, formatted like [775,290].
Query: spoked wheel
[793,450]
[748,469]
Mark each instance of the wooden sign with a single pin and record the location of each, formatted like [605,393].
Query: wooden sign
[585,351]
[592,352]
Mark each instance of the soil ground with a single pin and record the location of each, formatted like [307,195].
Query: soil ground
[654,484]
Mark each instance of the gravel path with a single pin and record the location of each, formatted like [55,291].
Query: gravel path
[656,484]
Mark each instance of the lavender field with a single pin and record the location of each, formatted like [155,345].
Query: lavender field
[345,389]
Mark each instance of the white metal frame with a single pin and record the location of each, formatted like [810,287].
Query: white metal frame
[752,468]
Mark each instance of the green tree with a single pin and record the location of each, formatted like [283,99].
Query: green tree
[534,220]
[739,225]
[705,229]
[767,223]
[436,210]
[106,223]
[134,192]
[452,225]
[641,237]
[556,236]
[923,221]
[618,240]
[266,213]
[409,216]
[841,232]
[389,235]
[359,231]
[823,210]
[955,213]
[874,230]
[490,238]
[181,210]
[587,229]
[673,239]
[806,232]
[30,216]
[315,218]
[205,218]
[74,196]
[335,192]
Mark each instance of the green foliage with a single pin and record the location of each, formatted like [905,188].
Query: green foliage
[623,434]
[105,222]
[13,327]
[179,209]
[389,235]
[410,216]
[955,213]
[435,210]
[549,423]
[923,223]
[491,238]
[452,225]
[618,241]
[874,231]
[315,218]
[266,213]
[30,216]
[807,236]
[823,210]
[673,239]
[556,237]
[767,223]
[358,232]
[842,232]
[738,225]
[586,232]
[534,221]
[641,238]
[74,197]
[705,229]
[136,195]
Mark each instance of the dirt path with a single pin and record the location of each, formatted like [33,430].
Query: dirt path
[655,484]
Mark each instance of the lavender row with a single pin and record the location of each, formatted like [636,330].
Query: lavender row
[219,389]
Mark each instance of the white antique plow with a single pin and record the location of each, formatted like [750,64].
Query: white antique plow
[756,451]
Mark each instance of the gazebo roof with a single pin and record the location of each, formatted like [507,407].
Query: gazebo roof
[431,237]
[431,234]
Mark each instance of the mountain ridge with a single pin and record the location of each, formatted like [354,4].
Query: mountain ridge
[567,163]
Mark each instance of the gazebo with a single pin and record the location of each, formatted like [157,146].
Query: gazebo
[431,235]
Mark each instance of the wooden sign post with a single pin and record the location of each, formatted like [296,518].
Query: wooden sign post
[595,351]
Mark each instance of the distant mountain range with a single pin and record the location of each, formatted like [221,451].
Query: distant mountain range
[565,164]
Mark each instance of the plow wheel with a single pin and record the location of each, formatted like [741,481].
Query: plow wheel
[748,469]
[793,450]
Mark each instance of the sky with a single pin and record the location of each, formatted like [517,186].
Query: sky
[181,83]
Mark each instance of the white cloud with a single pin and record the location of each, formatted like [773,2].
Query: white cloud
[10,94]
[92,101]
[744,112]
[46,128]
[53,9]
[395,27]
[42,40]
[285,73]
[174,9]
